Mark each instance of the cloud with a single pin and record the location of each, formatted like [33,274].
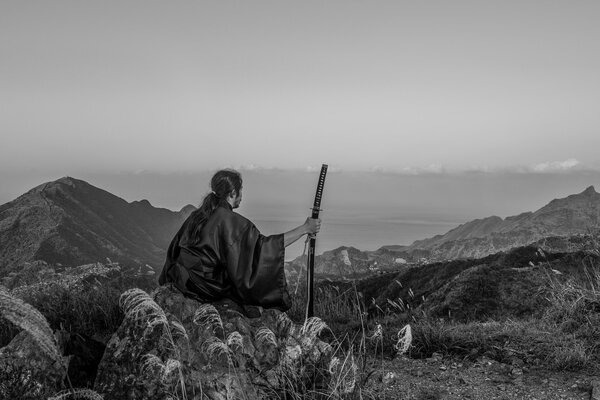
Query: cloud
[570,165]
[556,166]
[432,169]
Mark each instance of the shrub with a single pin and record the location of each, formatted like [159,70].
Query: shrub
[82,299]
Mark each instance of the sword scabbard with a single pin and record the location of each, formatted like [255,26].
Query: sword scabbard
[310,269]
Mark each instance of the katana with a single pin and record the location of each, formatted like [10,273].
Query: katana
[310,265]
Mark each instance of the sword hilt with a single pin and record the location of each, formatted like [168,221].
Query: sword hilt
[320,186]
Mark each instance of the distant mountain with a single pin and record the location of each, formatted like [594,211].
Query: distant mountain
[560,226]
[71,222]
[577,214]
[349,262]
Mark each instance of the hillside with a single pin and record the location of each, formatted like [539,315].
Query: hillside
[506,283]
[577,214]
[71,222]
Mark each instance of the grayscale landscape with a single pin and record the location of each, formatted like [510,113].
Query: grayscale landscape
[459,249]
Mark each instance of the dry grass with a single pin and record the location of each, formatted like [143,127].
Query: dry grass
[77,394]
[31,320]
[138,306]
[35,324]
[82,299]
[207,315]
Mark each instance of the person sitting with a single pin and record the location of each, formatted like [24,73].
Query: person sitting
[218,254]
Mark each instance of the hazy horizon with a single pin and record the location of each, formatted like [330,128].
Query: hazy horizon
[365,210]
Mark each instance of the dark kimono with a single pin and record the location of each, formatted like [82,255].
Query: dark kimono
[232,260]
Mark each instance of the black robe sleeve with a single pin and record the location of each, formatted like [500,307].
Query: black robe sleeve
[255,265]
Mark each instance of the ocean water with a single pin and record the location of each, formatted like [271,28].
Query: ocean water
[361,233]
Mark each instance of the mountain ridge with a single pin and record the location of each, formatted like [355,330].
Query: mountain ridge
[552,227]
[72,222]
[575,214]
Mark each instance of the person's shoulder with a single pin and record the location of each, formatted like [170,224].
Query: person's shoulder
[229,216]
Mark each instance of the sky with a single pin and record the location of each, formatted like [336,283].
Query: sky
[429,112]
[132,86]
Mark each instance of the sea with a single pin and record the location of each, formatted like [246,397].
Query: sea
[361,233]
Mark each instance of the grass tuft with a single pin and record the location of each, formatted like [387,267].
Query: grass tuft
[207,315]
[77,394]
[31,320]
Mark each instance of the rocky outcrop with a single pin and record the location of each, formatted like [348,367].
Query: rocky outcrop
[26,372]
[171,344]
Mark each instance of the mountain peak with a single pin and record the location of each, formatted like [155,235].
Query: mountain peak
[72,222]
[68,180]
[56,185]
[65,180]
[589,191]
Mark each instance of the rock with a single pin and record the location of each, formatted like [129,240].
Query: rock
[389,378]
[217,351]
[485,361]
[26,372]
[516,371]
[435,357]
[595,390]
[517,362]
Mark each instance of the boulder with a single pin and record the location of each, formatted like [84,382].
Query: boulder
[169,344]
[26,372]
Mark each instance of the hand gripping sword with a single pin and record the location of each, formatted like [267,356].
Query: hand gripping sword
[310,267]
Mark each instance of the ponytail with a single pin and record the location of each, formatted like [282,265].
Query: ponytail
[223,183]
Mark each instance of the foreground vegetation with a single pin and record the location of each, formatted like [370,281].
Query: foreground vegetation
[561,332]
[562,335]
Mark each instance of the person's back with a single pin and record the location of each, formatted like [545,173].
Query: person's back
[218,253]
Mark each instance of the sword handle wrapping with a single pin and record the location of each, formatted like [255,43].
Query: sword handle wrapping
[319,194]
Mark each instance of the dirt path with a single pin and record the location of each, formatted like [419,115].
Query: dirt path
[484,379]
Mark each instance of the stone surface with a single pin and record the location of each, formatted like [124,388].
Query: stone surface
[26,371]
[389,377]
[595,390]
[251,358]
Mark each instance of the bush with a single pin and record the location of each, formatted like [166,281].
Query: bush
[83,299]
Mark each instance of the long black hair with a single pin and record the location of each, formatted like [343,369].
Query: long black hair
[222,184]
